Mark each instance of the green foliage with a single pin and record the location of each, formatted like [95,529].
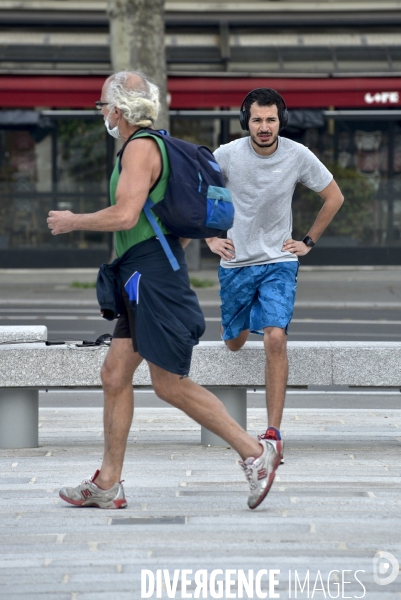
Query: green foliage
[201,283]
[354,218]
[83,285]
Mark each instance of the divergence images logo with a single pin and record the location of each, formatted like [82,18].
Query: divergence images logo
[386,564]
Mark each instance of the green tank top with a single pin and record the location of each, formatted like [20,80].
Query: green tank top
[143,229]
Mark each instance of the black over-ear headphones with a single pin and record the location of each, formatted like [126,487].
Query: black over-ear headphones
[244,113]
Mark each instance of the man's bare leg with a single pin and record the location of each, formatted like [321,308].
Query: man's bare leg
[275,342]
[117,372]
[236,343]
[202,406]
[197,402]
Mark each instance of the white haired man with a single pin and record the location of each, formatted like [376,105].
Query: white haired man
[161,319]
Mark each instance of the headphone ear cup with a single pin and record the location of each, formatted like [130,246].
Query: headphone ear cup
[284,119]
[243,120]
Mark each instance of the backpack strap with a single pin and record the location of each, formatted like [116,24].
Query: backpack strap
[155,226]
[133,137]
[149,204]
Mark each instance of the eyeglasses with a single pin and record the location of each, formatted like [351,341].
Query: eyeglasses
[99,104]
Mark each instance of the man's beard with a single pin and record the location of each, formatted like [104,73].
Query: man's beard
[264,145]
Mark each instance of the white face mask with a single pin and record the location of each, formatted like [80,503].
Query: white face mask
[114,132]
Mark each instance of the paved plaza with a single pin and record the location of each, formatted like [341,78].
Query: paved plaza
[335,503]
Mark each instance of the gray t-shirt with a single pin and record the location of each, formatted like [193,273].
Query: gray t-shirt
[262,188]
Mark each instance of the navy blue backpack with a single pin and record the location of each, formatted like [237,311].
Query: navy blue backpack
[196,204]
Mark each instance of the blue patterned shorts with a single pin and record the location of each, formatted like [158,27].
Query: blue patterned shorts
[257,296]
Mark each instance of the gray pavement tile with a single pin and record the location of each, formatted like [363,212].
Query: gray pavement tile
[335,503]
[61,595]
[121,589]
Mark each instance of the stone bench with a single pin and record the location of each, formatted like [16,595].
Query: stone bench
[22,333]
[27,367]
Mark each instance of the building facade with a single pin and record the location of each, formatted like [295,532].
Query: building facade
[337,64]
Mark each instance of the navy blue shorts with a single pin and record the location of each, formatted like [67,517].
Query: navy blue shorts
[125,326]
[162,315]
[257,296]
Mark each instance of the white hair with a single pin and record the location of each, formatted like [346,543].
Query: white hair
[135,96]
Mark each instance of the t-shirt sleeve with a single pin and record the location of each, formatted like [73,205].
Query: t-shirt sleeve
[312,172]
[222,160]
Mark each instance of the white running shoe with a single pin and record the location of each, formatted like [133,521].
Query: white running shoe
[271,434]
[260,472]
[90,494]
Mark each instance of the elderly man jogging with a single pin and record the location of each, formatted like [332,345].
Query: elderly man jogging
[150,290]
[259,260]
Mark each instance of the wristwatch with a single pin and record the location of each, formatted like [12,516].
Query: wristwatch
[308,241]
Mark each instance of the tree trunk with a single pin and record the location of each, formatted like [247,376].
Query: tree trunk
[137,43]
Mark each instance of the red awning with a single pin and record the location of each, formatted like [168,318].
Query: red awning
[202,92]
[206,92]
[50,92]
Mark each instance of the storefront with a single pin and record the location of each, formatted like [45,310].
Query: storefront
[55,153]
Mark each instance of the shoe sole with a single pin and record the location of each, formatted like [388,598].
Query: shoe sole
[272,476]
[88,503]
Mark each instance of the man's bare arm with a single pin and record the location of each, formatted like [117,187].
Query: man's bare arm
[141,166]
[333,200]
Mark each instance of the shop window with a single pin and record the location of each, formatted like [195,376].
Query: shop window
[61,167]
[365,158]
[81,157]
[196,130]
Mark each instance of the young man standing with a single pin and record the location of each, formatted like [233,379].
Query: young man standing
[259,258]
[160,319]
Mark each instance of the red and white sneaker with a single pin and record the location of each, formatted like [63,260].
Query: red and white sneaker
[271,434]
[260,472]
[90,494]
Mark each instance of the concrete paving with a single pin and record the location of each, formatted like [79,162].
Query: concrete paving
[335,503]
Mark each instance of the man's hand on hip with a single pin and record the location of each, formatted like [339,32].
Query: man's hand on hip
[224,248]
[297,248]
[60,221]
